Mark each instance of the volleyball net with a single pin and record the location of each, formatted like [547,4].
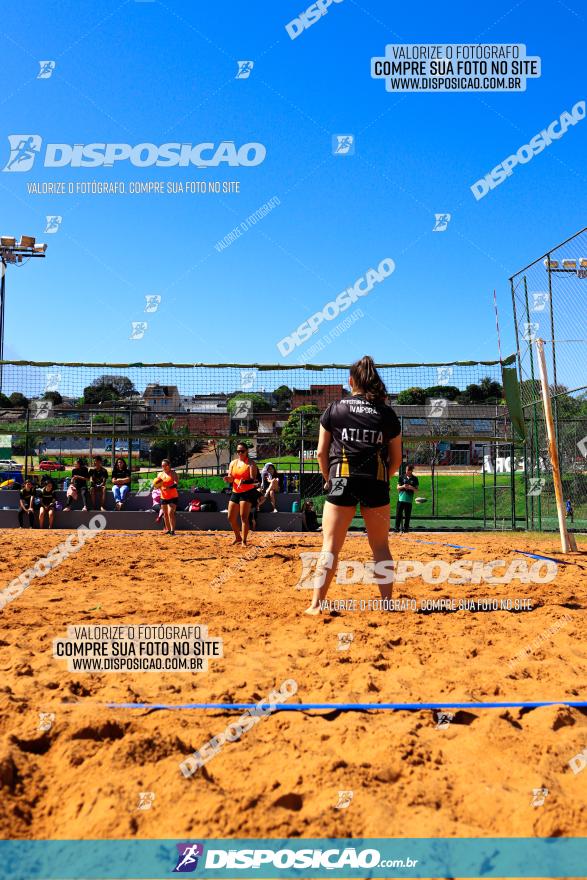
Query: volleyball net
[549,299]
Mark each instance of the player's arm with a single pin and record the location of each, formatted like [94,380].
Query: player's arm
[394,455]
[324,441]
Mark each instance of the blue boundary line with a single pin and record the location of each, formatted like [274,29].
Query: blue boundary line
[350,707]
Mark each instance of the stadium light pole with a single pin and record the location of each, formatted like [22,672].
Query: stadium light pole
[15,252]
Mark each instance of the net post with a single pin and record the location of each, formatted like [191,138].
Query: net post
[568,542]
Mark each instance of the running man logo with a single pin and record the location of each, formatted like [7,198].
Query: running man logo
[248,379]
[244,69]
[540,301]
[436,408]
[242,409]
[41,409]
[314,569]
[23,151]
[146,799]
[138,329]
[344,641]
[46,720]
[338,485]
[46,71]
[187,858]
[582,446]
[343,145]
[444,375]
[53,381]
[441,222]
[530,333]
[344,800]
[153,302]
[443,720]
[53,223]
[539,795]
[536,485]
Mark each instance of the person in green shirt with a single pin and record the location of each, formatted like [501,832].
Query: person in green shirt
[406,487]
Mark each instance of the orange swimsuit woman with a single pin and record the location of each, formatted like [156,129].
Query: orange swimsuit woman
[166,481]
[243,474]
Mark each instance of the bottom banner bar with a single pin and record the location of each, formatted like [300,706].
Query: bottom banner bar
[335,857]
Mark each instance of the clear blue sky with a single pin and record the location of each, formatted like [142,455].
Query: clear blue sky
[156,72]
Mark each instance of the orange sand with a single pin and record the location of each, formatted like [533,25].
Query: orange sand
[475,778]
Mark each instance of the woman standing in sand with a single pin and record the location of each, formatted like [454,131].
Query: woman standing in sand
[243,474]
[167,481]
[359,450]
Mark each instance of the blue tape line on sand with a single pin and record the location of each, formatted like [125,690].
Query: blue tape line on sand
[549,558]
[349,707]
[523,552]
[442,544]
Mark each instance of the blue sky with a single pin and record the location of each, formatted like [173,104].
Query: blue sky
[157,72]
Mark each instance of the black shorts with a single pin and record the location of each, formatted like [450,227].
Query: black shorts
[251,496]
[350,491]
[170,501]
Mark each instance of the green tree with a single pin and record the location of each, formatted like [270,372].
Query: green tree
[492,391]
[259,404]
[219,445]
[168,433]
[18,400]
[100,394]
[53,396]
[121,384]
[412,397]
[283,396]
[448,392]
[292,430]
[472,394]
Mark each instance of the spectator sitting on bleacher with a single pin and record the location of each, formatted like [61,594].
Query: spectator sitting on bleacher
[120,482]
[78,486]
[156,503]
[26,503]
[98,479]
[48,503]
[309,517]
[269,485]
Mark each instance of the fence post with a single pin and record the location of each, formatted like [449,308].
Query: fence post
[567,540]
[26,442]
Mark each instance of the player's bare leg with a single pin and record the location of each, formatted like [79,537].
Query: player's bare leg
[335,523]
[233,509]
[377,525]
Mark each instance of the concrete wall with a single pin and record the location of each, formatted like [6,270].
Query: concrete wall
[138,515]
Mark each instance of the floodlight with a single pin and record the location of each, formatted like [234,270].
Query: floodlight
[552,264]
[40,248]
[27,241]
[7,241]
[569,264]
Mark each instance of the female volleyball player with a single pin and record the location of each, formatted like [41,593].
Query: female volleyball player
[167,482]
[243,474]
[359,449]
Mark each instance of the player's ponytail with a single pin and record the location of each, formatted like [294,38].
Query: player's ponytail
[367,380]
